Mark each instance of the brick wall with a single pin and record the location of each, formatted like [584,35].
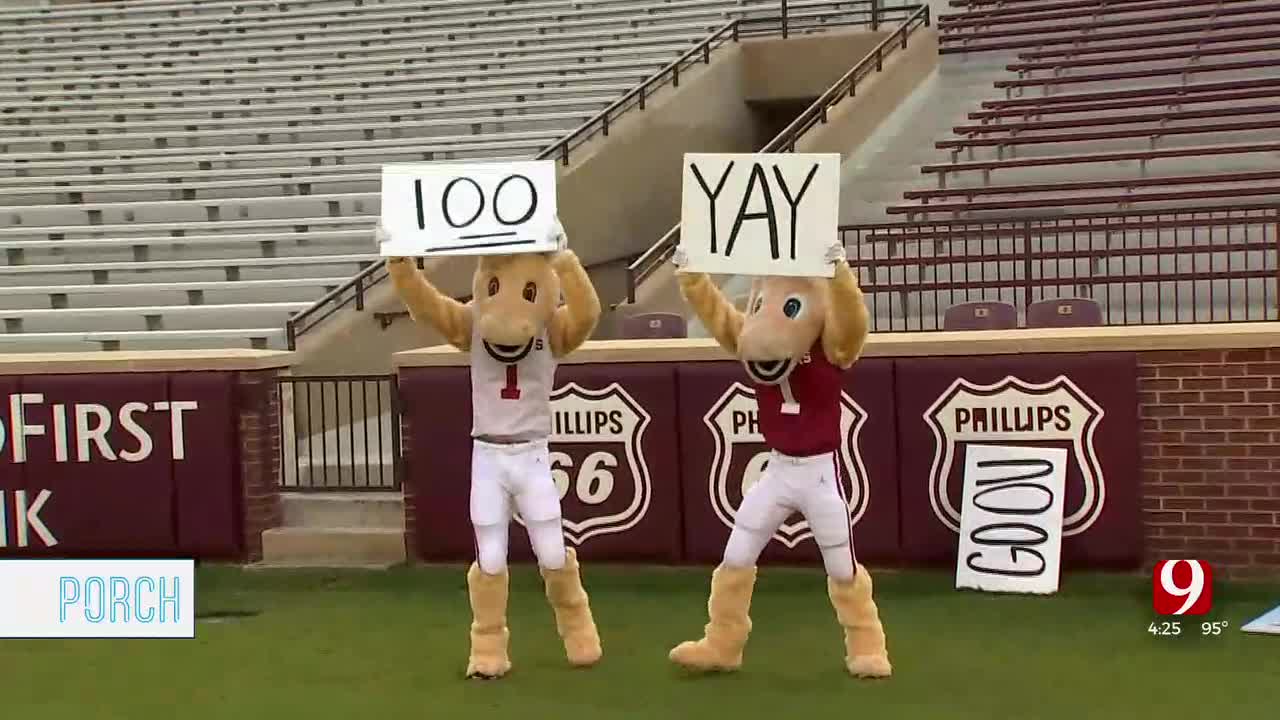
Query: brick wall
[1211,457]
[258,424]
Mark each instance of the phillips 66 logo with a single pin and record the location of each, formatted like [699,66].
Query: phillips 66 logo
[741,456]
[1029,415]
[596,460]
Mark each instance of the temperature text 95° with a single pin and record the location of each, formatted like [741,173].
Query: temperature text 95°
[1173,628]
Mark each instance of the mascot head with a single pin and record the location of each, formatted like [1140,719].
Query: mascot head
[514,297]
[784,318]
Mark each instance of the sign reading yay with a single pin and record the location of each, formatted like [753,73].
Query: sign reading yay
[468,208]
[760,214]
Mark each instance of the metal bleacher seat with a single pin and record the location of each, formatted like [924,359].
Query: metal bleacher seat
[1064,312]
[980,315]
[654,325]
[1118,151]
[187,174]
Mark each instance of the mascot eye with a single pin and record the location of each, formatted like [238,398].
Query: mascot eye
[530,292]
[493,286]
[792,307]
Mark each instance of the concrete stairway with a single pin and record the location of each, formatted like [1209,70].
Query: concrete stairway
[334,529]
[888,163]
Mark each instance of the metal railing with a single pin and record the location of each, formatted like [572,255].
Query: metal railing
[804,15]
[816,114]
[339,432]
[1142,268]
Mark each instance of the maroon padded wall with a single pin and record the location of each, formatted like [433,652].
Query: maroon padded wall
[118,474]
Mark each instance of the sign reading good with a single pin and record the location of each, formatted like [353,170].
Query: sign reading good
[760,214]
[468,208]
[596,460]
[1011,518]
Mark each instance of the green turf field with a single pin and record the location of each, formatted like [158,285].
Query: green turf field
[393,645]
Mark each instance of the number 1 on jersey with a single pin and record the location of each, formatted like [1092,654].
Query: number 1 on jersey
[789,404]
[511,391]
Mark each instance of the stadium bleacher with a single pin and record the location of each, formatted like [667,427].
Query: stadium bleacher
[1118,167]
[193,174]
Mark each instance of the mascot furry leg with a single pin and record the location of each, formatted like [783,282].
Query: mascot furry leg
[515,334]
[799,336]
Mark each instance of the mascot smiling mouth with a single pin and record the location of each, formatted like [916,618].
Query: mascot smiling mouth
[508,353]
[769,372]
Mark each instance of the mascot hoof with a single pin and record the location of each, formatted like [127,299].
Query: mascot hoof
[583,651]
[700,656]
[870,666]
[487,668]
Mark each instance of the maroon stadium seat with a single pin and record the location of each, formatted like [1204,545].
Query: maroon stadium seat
[1064,312]
[654,325]
[981,315]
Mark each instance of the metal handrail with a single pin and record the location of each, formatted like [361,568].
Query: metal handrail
[649,261]
[1093,221]
[353,291]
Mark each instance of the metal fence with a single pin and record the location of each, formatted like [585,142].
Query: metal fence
[1190,265]
[340,433]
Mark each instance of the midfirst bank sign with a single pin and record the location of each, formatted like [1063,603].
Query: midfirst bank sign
[79,431]
[34,431]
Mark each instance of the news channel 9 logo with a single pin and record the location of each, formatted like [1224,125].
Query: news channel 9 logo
[1182,588]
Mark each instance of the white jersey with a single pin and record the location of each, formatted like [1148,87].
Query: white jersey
[511,401]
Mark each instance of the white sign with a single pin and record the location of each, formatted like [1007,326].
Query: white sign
[1268,624]
[97,599]
[760,214]
[494,208]
[1011,518]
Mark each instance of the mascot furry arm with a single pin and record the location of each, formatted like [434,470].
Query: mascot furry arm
[429,306]
[513,307]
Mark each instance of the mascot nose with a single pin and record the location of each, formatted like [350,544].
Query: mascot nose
[764,346]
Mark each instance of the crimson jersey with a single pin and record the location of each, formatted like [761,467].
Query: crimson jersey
[800,416]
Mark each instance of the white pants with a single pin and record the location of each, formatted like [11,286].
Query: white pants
[808,485]
[514,477]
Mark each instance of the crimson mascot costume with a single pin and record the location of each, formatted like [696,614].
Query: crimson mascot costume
[795,340]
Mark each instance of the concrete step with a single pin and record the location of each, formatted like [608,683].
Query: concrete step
[317,510]
[332,547]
